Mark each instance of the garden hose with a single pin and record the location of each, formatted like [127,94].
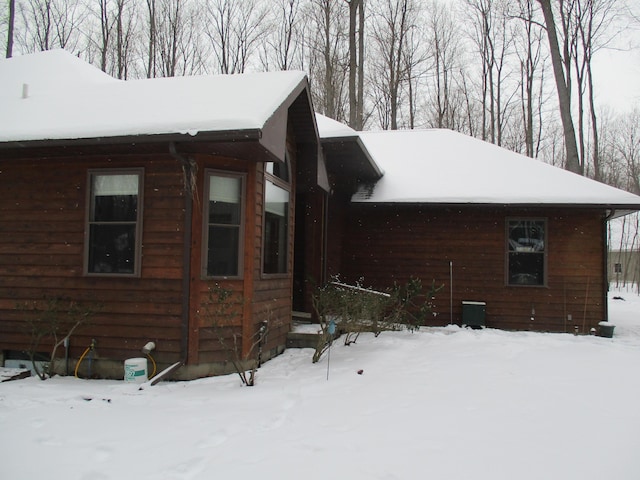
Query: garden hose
[153,362]
[87,350]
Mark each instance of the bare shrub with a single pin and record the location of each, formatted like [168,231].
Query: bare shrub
[53,320]
[354,309]
[222,313]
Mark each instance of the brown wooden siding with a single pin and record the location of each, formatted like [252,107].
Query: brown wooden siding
[42,228]
[310,244]
[257,297]
[210,337]
[337,222]
[272,300]
[384,244]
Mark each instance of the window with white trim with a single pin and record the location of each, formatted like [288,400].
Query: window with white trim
[114,226]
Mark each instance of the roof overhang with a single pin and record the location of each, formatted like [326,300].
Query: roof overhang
[244,144]
[347,156]
[609,210]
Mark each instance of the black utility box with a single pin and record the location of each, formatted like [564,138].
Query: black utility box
[473,314]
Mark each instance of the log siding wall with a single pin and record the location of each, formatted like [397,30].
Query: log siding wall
[383,244]
[42,236]
[256,297]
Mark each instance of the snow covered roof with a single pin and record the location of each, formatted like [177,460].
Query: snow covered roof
[53,95]
[447,167]
[330,128]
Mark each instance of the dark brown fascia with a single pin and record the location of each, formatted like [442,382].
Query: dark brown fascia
[611,210]
[364,166]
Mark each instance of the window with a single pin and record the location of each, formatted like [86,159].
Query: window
[114,222]
[223,231]
[276,219]
[526,252]
[279,170]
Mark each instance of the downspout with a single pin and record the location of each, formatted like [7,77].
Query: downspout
[605,262]
[189,170]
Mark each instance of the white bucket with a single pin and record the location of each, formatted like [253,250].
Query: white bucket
[135,370]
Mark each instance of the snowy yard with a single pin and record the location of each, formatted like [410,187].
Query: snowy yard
[442,403]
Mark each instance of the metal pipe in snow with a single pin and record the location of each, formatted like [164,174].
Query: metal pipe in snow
[450,292]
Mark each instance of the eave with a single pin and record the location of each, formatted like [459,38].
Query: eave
[349,157]
[612,210]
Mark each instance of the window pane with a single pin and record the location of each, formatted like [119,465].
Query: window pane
[526,252]
[112,248]
[109,185]
[224,250]
[278,169]
[526,235]
[276,231]
[225,200]
[224,225]
[115,208]
[526,269]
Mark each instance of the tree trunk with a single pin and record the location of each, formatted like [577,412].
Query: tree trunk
[151,61]
[12,21]
[353,10]
[594,127]
[106,32]
[564,100]
[360,102]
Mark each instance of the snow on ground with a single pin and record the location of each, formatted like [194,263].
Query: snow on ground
[441,403]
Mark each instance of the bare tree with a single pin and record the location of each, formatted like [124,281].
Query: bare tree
[593,20]
[168,36]
[612,170]
[328,56]
[356,63]
[572,160]
[125,27]
[177,39]
[47,24]
[444,37]
[118,28]
[37,14]
[235,30]
[494,39]
[395,19]
[413,60]
[627,148]
[532,62]
[67,16]
[282,43]
[106,27]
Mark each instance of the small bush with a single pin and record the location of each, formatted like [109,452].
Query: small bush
[53,320]
[355,309]
[221,312]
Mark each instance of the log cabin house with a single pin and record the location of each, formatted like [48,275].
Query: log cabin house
[146,201]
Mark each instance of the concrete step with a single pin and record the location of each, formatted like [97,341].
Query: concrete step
[302,340]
